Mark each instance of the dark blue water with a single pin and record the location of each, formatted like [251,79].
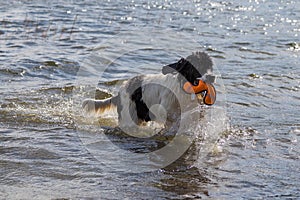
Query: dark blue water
[54,54]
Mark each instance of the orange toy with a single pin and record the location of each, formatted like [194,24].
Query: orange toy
[209,89]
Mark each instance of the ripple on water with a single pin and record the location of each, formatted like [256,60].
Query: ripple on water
[254,43]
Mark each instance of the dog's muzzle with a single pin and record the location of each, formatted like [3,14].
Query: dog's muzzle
[202,87]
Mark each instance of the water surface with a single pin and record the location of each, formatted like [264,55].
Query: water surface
[49,49]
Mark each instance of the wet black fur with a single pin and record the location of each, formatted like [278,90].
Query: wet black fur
[135,90]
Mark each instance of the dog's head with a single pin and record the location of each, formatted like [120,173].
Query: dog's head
[194,67]
[195,74]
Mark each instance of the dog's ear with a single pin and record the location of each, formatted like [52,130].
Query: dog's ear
[169,69]
[174,67]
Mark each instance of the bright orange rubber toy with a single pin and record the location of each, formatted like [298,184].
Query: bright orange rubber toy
[209,89]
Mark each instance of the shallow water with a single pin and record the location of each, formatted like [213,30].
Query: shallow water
[54,54]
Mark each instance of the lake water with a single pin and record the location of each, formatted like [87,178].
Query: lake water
[56,53]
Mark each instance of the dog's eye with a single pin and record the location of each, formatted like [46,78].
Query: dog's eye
[196,82]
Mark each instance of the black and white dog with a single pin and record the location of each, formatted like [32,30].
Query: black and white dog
[159,97]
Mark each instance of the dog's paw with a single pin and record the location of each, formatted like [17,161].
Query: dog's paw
[88,105]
